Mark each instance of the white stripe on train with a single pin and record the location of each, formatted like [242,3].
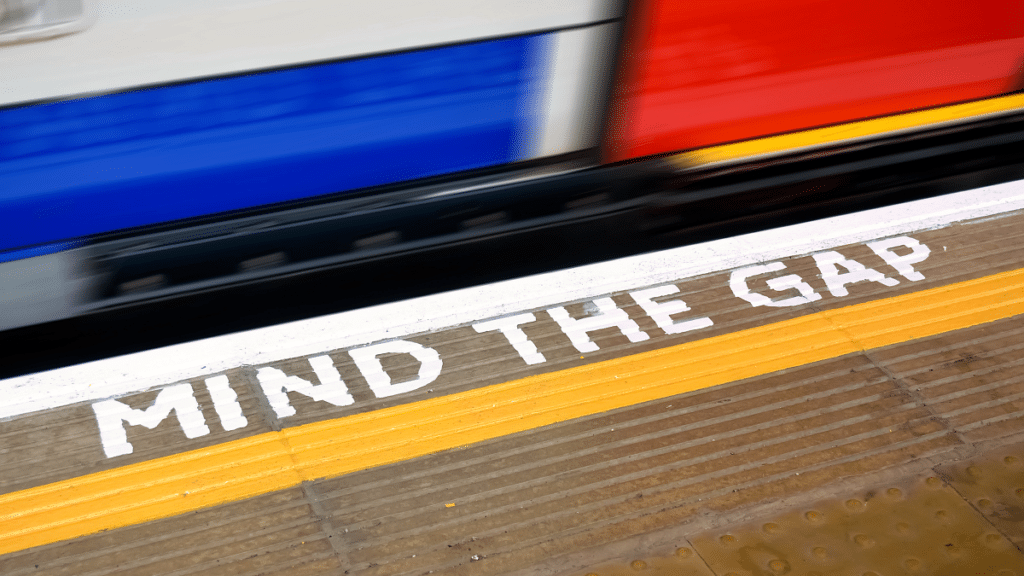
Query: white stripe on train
[140,42]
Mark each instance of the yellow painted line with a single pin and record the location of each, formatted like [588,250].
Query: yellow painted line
[277,460]
[848,132]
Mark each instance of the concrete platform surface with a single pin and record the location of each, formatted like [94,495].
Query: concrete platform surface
[837,397]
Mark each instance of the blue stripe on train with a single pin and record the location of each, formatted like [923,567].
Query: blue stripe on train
[80,167]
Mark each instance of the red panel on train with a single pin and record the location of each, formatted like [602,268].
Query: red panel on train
[705,72]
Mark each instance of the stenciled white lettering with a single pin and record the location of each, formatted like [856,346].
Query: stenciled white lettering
[740,287]
[610,316]
[829,263]
[225,403]
[276,384]
[368,361]
[662,312]
[902,264]
[510,328]
[661,304]
[111,415]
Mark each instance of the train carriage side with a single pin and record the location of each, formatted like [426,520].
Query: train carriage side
[142,144]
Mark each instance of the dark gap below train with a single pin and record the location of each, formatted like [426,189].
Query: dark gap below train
[181,285]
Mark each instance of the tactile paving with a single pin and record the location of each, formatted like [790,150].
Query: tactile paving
[917,527]
[920,526]
[994,485]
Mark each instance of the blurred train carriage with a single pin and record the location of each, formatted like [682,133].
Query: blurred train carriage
[157,149]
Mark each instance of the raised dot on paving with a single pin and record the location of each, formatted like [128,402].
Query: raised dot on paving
[864,541]
[994,482]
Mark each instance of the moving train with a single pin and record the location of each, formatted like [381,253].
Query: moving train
[154,150]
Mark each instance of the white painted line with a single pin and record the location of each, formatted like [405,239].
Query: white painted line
[199,359]
[574,81]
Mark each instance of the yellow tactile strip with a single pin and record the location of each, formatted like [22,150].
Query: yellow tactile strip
[849,132]
[916,526]
[276,534]
[274,461]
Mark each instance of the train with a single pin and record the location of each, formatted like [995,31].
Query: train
[156,150]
